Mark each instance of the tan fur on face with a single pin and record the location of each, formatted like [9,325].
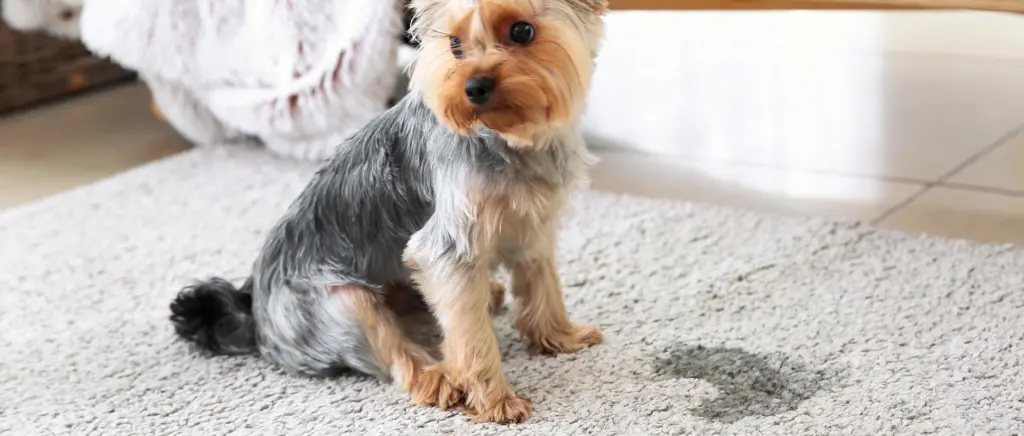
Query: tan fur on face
[541,87]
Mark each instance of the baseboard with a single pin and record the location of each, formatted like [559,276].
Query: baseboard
[991,5]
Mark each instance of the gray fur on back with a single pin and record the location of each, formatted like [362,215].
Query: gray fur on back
[355,218]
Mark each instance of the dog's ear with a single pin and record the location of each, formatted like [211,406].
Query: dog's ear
[415,4]
[425,15]
[597,6]
[420,6]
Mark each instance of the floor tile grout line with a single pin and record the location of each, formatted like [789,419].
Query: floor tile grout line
[697,161]
[899,206]
[942,180]
[1002,140]
[980,188]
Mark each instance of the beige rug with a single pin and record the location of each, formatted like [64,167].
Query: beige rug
[717,321]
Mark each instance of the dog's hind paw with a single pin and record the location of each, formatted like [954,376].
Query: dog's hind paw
[434,388]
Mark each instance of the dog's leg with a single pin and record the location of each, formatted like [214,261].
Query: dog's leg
[462,297]
[540,307]
[410,365]
[497,297]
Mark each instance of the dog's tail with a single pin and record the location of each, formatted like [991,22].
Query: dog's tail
[216,317]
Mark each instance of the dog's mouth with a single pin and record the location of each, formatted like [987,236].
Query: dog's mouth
[504,116]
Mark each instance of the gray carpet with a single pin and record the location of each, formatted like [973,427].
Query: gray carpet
[717,321]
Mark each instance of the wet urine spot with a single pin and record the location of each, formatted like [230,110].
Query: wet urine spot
[749,384]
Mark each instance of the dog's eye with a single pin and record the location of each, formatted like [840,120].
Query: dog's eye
[521,33]
[456,45]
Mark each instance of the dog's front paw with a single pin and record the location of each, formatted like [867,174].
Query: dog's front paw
[433,387]
[508,410]
[580,337]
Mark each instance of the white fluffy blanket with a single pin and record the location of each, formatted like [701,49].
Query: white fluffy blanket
[298,75]
[55,17]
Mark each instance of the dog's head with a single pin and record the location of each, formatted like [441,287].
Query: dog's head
[519,67]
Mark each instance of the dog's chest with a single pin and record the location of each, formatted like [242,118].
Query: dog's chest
[514,204]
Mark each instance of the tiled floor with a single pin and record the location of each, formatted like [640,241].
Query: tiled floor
[60,146]
[908,120]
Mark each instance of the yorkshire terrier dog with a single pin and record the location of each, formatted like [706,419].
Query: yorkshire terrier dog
[468,173]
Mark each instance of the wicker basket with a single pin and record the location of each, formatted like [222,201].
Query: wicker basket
[37,67]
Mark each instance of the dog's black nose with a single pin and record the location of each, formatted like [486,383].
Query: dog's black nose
[479,89]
